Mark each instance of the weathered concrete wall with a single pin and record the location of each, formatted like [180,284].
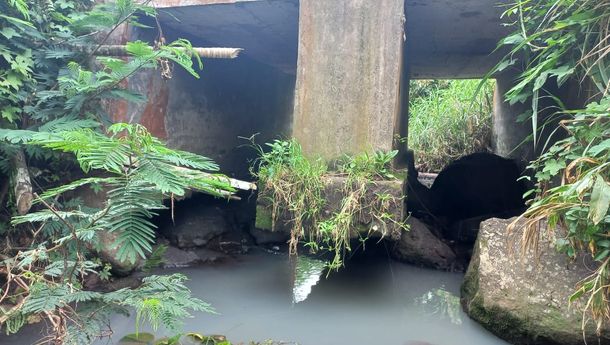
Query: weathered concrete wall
[512,138]
[232,99]
[148,83]
[508,134]
[348,74]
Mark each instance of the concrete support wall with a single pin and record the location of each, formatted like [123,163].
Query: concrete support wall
[511,137]
[347,93]
[508,134]
[232,99]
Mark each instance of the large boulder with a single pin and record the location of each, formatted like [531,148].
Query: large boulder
[524,299]
[107,250]
[105,247]
[420,246]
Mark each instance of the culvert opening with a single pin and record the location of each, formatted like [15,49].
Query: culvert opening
[455,181]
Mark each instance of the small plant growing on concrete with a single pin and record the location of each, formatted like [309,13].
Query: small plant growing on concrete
[297,189]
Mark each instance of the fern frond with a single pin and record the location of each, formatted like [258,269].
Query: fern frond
[16,136]
[51,193]
[160,174]
[129,212]
[68,123]
[46,215]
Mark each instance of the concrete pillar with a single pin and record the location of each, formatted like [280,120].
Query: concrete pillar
[512,139]
[349,69]
[509,136]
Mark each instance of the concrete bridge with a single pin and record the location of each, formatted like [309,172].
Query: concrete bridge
[332,73]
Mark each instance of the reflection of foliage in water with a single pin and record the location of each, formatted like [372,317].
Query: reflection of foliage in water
[440,302]
[188,339]
[306,273]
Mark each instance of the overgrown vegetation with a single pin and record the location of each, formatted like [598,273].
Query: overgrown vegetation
[53,122]
[556,41]
[295,187]
[449,119]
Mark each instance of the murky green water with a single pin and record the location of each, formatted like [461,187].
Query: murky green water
[372,301]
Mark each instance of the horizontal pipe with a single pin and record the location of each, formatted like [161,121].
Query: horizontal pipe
[121,50]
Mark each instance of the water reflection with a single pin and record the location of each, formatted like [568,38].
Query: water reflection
[442,304]
[306,273]
[371,301]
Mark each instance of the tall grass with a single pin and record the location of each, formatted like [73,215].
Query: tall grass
[448,119]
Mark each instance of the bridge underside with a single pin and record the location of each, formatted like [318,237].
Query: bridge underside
[333,74]
[445,38]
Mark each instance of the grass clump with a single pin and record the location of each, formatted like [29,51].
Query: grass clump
[449,119]
[292,184]
[296,188]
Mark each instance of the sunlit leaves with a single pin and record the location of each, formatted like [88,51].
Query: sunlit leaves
[600,200]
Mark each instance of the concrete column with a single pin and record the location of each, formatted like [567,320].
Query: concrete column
[349,69]
[509,136]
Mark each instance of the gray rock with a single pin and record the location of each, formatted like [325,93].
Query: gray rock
[209,256]
[106,250]
[525,299]
[177,258]
[197,226]
[262,236]
[420,246]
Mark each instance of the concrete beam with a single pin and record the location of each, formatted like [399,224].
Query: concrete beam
[451,66]
[446,38]
[267,30]
[183,3]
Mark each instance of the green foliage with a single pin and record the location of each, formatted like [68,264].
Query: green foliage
[47,276]
[161,300]
[293,186]
[369,166]
[44,86]
[50,108]
[449,119]
[155,259]
[291,183]
[555,41]
[142,172]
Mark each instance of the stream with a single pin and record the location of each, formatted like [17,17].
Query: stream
[372,301]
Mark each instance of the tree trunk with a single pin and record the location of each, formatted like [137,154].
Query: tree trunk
[23,184]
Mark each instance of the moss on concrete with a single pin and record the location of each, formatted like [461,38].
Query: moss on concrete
[264,219]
